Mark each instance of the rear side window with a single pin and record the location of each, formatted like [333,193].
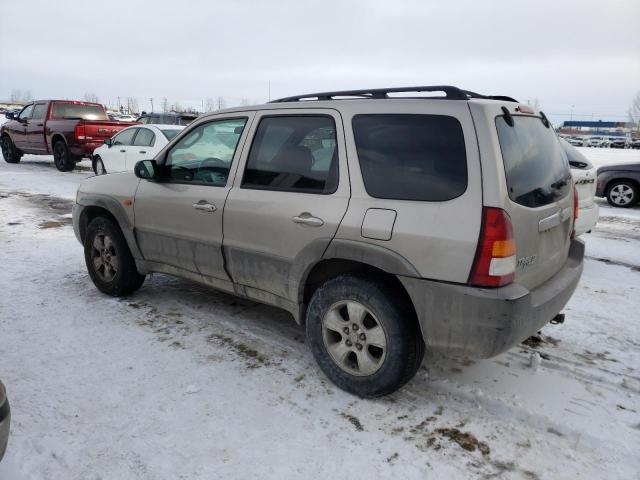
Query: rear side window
[170,134]
[536,168]
[411,157]
[294,153]
[75,110]
[144,138]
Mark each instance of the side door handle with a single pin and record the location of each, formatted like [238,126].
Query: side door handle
[122,151]
[142,151]
[204,206]
[306,218]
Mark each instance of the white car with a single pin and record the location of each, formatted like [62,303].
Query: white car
[597,142]
[135,143]
[584,176]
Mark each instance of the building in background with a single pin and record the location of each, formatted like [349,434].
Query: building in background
[579,127]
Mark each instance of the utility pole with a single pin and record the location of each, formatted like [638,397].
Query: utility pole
[269,90]
[119,105]
[151,100]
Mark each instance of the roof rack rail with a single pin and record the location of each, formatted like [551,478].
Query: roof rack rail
[451,93]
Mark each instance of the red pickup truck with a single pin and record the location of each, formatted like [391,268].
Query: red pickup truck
[67,129]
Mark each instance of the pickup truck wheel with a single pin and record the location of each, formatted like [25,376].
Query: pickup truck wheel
[109,261]
[62,158]
[622,193]
[98,166]
[9,151]
[364,341]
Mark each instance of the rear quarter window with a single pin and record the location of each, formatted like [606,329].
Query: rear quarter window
[411,157]
[536,167]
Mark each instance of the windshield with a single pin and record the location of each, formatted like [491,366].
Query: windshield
[170,134]
[76,110]
[535,165]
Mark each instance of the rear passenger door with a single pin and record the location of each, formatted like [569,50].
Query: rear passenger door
[142,148]
[290,194]
[35,128]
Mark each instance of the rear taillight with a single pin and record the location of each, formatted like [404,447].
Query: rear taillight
[495,262]
[80,132]
[576,211]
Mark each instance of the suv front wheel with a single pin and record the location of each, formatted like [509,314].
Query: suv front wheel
[364,341]
[108,258]
[622,193]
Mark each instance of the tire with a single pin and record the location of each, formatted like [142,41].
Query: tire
[338,303]
[62,158]
[9,151]
[622,193]
[103,242]
[98,165]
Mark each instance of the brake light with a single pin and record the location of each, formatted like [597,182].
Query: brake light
[495,261]
[576,211]
[80,132]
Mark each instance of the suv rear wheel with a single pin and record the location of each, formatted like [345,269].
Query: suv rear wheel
[9,151]
[365,342]
[109,261]
[622,193]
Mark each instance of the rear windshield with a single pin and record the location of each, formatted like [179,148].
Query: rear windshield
[535,165]
[74,110]
[170,133]
[411,157]
[576,159]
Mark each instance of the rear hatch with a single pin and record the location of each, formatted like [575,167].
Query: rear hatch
[540,196]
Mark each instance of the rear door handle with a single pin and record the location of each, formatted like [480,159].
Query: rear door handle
[204,206]
[306,218]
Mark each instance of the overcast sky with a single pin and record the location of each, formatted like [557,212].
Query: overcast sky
[565,53]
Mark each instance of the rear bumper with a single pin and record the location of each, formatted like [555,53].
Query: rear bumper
[481,322]
[84,149]
[587,218]
[5,420]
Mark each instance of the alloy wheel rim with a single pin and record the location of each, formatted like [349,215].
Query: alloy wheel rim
[621,194]
[354,338]
[104,257]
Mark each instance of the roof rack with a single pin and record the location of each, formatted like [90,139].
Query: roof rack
[451,93]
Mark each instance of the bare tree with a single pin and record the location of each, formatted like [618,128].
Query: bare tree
[221,103]
[634,113]
[26,96]
[132,105]
[91,97]
[211,105]
[165,104]
[244,102]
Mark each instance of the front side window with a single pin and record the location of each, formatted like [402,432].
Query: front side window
[78,110]
[205,154]
[125,137]
[294,153]
[411,157]
[26,112]
[144,138]
[39,110]
[536,168]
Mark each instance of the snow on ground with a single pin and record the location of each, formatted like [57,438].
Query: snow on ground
[182,382]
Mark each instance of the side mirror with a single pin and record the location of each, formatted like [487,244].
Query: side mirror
[146,170]
[108,142]
[10,115]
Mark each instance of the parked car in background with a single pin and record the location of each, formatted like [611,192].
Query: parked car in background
[575,141]
[597,142]
[131,145]
[617,142]
[619,184]
[5,420]
[584,178]
[635,143]
[168,118]
[67,129]
[265,202]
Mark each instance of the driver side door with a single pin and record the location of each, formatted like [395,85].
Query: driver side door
[178,220]
[19,128]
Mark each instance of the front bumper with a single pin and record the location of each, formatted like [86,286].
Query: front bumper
[481,322]
[5,420]
[587,218]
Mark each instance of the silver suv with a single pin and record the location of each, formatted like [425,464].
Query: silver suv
[382,224]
